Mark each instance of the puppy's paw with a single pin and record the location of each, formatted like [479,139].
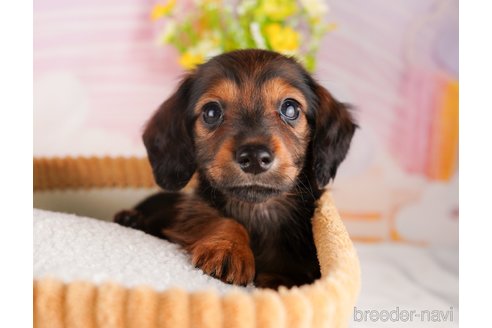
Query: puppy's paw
[230,261]
[128,218]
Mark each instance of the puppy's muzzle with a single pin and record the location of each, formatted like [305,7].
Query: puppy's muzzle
[254,159]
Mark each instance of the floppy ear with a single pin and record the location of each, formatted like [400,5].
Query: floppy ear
[333,131]
[169,142]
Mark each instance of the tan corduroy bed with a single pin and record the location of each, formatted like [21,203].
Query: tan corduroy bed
[327,302]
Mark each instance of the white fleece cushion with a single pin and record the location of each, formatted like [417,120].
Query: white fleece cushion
[70,247]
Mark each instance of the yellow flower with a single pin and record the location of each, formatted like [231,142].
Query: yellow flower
[282,39]
[191,60]
[160,10]
[277,9]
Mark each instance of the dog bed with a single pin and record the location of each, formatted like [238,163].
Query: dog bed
[69,293]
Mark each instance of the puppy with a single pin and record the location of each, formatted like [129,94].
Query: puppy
[264,139]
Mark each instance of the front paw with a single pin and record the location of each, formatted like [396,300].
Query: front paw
[128,218]
[230,261]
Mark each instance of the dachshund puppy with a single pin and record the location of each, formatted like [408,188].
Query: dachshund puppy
[264,139]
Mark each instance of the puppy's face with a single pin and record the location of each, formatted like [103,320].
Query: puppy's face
[249,122]
[251,135]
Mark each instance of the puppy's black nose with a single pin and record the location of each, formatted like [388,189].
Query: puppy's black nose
[254,159]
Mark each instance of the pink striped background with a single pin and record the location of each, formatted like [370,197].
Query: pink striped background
[110,48]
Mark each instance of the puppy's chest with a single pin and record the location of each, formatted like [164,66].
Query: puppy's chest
[279,231]
[261,219]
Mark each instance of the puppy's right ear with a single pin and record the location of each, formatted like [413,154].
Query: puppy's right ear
[169,142]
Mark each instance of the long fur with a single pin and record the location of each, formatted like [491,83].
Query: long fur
[237,226]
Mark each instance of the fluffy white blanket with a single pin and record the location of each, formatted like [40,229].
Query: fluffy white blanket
[394,277]
[70,248]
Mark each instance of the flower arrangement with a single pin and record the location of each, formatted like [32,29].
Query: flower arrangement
[206,28]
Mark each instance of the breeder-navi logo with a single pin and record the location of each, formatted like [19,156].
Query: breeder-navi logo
[402,315]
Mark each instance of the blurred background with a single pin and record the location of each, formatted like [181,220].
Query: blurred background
[102,67]
[100,70]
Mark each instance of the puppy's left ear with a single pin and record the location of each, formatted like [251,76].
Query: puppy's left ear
[333,131]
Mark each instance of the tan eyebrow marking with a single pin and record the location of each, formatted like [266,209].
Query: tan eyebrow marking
[225,91]
[277,89]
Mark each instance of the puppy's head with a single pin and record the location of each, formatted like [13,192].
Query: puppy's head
[250,122]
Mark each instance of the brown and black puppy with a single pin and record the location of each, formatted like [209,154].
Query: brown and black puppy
[264,139]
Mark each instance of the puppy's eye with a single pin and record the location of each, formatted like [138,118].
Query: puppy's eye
[289,109]
[212,113]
